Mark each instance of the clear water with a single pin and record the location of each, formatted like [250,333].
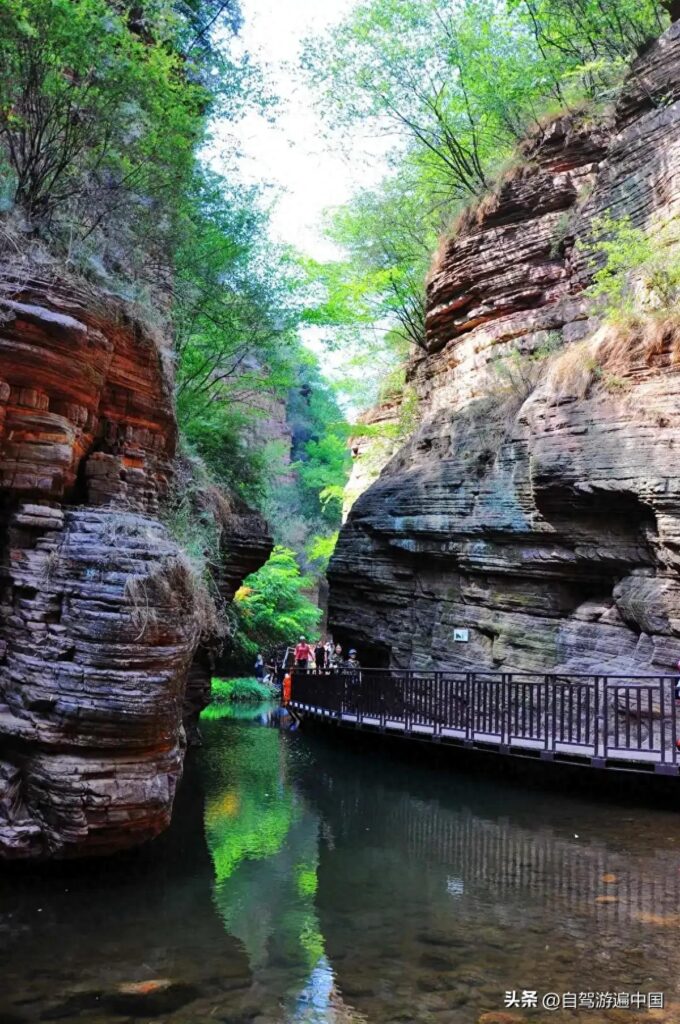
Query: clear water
[303,882]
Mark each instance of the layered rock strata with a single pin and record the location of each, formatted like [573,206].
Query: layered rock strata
[99,614]
[538,504]
[371,449]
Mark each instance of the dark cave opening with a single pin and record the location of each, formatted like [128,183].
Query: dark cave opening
[370,653]
[618,523]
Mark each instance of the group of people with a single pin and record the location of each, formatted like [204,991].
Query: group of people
[324,656]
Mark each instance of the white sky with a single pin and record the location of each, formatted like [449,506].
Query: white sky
[291,154]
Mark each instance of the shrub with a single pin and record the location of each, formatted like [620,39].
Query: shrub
[91,113]
[635,272]
[243,688]
[519,373]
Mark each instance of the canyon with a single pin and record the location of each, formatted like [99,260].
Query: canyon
[104,644]
[537,504]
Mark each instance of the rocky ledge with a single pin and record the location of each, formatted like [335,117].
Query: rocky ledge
[539,508]
[99,615]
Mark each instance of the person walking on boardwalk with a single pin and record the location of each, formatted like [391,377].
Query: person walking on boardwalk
[303,653]
[352,664]
[286,689]
[320,655]
[337,658]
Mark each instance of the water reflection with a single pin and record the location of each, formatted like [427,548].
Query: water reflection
[263,840]
[439,895]
[307,884]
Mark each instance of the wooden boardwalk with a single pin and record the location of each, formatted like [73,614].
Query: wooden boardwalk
[619,722]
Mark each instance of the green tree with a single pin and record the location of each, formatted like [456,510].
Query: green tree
[103,107]
[461,83]
[320,453]
[235,320]
[89,111]
[272,609]
[454,87]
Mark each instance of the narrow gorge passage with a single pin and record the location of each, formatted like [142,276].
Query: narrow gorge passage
[339,511]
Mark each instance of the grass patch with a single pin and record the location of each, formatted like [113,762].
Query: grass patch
[244,688]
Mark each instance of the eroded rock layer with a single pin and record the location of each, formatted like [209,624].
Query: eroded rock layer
[99,619]
[539,507]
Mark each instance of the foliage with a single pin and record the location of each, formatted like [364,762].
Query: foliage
[461,83]
[320,550]
[223,284]
[263,841]
[234,324]
[85,104]
[243,688]
[302,496]
[101,113]
[238,306]
[388,236]
[271,607]
[584,33]
[452,88]
[519,373]
[635,270]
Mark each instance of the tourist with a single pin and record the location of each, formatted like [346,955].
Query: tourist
[336,658]
[320,655]
[303,653]
[352,662]
[286,689]
[260,668]
[329,651]
[677,684]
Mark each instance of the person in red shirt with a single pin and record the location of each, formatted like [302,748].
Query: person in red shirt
[303,652]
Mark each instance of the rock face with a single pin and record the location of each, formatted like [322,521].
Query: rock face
[538,503]
[99,619]
[372,450]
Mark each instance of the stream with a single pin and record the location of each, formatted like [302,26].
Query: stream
[306,882]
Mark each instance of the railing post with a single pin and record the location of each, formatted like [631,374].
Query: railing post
[408,697]
[506,689]
[470,707]
[674,726]
[436,704]
[548,718]
[662,720]
[601,722]
[382,705]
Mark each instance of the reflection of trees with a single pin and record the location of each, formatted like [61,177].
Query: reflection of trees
[263,841]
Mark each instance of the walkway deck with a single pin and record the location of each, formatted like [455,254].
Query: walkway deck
[619,722]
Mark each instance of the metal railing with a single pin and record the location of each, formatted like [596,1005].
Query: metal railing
[601,718]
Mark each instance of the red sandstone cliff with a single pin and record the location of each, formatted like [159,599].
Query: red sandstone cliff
[546,521]
[99,618]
